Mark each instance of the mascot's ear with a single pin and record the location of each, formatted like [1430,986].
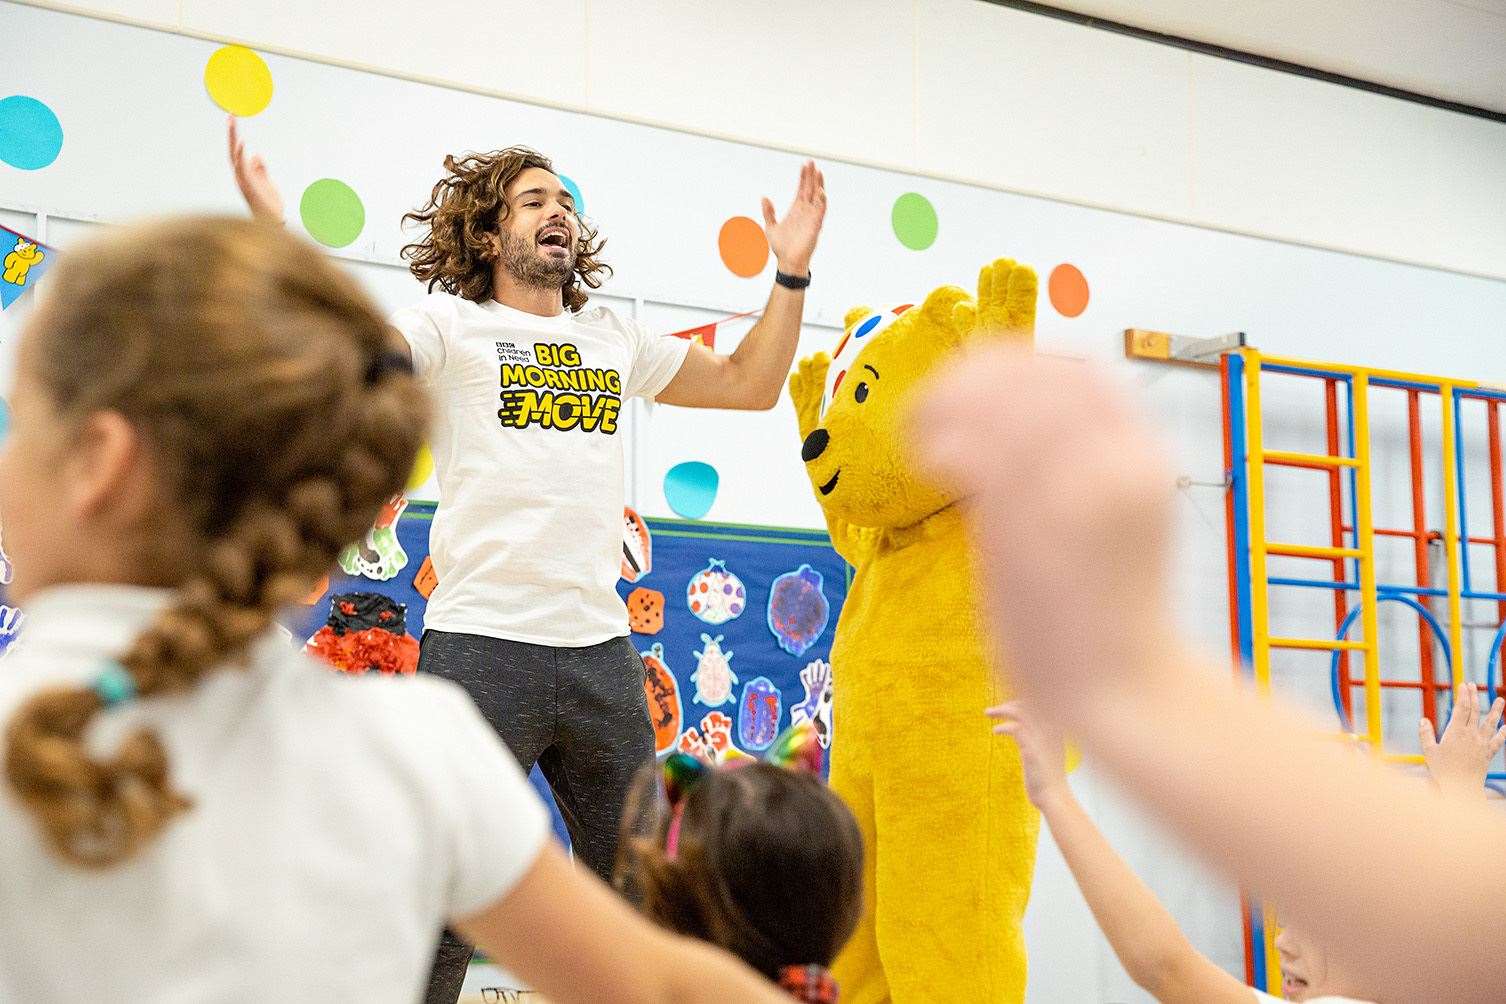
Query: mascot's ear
[855,315]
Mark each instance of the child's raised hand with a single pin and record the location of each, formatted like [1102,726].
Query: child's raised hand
[1068,499]
[1042,751]
[1459,761]
[251,177]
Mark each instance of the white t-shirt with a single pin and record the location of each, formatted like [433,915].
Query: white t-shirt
[527,540]
[337,823]
[1261,997]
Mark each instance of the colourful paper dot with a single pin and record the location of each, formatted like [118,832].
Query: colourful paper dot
[31,137]
[743,246]
[574,190]
[1068,289]
[332,212]
[238,80]
[690,488]
[914,221]
[423,468]
[4,419]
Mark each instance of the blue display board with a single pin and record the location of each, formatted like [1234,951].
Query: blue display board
[731,658]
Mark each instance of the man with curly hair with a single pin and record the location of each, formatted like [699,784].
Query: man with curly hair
[529,384]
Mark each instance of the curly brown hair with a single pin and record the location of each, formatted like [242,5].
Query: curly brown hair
[466,207]
[259,375]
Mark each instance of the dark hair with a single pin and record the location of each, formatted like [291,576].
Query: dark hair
[769,864]
[466,207]
[256,371]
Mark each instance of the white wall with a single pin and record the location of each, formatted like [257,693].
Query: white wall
[953,88]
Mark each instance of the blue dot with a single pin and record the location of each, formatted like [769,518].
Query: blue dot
[30,134]
[868,325]
[574,190]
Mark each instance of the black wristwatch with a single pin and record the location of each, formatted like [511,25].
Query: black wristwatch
[792,281]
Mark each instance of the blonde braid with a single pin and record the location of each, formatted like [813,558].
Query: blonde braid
[344,439]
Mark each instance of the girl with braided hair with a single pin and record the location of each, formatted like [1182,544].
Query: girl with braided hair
[205,411]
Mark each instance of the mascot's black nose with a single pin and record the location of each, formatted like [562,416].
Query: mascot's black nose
[815,445]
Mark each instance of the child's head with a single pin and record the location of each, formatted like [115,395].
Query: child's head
[207,405]
[1307,971]
[764,861]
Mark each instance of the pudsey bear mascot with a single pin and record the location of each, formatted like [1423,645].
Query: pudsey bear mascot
[948,832]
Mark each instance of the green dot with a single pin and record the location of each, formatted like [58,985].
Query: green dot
[914,220]
[332,212]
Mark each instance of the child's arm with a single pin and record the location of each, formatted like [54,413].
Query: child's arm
[1150,946]
[562,931]
[1459,761]
[1070,506]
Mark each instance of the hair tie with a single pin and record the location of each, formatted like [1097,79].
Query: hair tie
[813,984]
[681,772]
[798,748]
[114,685]
[388,362]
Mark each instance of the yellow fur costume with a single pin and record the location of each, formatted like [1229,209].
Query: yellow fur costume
[948,832]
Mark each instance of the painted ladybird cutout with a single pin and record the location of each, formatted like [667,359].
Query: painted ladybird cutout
[713,676]
[716,595]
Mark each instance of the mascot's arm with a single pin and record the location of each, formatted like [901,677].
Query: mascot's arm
[806,386]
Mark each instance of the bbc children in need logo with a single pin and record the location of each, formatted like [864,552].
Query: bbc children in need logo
[551,388]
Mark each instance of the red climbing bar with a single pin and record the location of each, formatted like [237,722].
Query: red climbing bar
[1426,669]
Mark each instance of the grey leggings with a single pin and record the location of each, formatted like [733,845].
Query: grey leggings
[579,713]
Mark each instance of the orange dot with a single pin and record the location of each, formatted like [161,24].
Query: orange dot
[1069,290]
[744,248]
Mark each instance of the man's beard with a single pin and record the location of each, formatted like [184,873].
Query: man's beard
[520,257]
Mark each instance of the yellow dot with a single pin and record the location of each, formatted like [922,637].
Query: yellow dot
[238,80]
[423,467]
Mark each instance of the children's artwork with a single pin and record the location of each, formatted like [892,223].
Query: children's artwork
[798,610]
[663,696]
[645,611]
[816,708]
[692,743]
[11,620]
[366,632]
[378,555]
[713,676]
[426,580]
[716,730]
[637,547]
[716,595]
[24,262]
[712,741]
[759,712]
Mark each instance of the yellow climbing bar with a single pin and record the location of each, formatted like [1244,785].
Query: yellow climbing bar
[1308,459]
[1324,644]
[1313,551]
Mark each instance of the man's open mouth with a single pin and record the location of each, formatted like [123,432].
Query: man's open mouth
[827,488]
[555,238]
